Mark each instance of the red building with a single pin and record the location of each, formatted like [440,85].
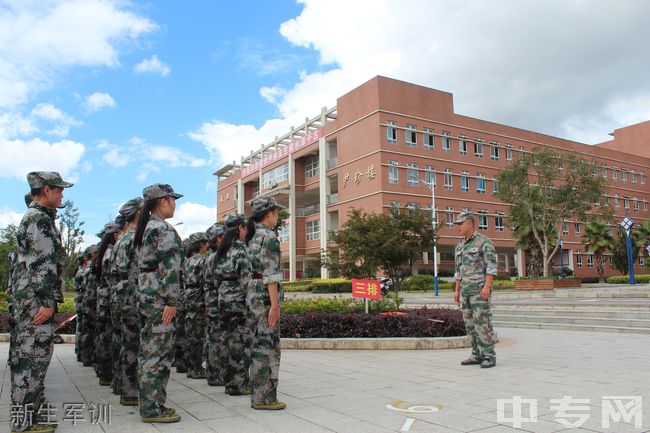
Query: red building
[367,152]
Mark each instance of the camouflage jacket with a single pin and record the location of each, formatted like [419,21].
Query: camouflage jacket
[105,281]
[475,258]
[162,252]
[90,289]
[193,278]
[37,277]
[264,253]
[125,269]
[209,276]
[236,265]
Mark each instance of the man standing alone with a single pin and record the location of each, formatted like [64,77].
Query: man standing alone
[475,269]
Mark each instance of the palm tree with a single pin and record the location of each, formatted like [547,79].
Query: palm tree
[597,241]
[643,236]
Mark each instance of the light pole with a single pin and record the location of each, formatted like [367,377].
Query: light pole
[434,223]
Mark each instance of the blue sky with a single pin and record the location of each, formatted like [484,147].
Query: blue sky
[118,95]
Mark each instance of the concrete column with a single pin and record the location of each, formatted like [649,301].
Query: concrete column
[292,214]
[240,196]
[324,190]
[520,263]
[570,258]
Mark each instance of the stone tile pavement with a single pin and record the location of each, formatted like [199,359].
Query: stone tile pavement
[348,391]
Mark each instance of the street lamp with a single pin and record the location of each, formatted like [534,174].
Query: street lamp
[434,223]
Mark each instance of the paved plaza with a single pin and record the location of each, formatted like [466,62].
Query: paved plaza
[349,391]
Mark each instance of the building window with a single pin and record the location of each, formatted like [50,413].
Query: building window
[391,132]
[633,175]
[617,204]
[411,136]
[565,227]
[604,167]
[394,206]
[393,175]
[579,258]
[641,261]
[478,148]
[283,233]
[256,190]
[577,229]
[411,206]
[275,176]
[635,203]
[311,167]
[482,220]
[462,144]
[614,173]
[590,260]
[494,150]
[449,216]
[313,230]
[642,178]
[495,186]
[412,174]
[428,139]
[624,175]
[446,141]
[430,175]
[597,204]
[480,183]
[498,221]
[464,181]
[645,205]
[434,216]
[449,184]
[626,202]
[509,152]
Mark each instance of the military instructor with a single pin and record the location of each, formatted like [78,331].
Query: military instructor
[476,267]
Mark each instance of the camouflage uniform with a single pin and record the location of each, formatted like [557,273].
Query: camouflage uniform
[103,324]
[181,347]
[476,258]
[195,309]
[78,287]
[89,310]
[160,260]
[36,280]
[234,272]
[264,252]
[215,338]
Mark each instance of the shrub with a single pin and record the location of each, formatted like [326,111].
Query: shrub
[338,285]
[503,285]
[416,323]
[423,283]
[624,279]
[327,305]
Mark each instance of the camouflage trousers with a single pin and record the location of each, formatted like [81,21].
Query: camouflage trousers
[215,339]
[87,339]
[154,359]
[235,349]
[195,328]
[30,358]
[180,340]
[264,357]
[478,323]
[79,326]
[129,350]
[103,343]
[116,345]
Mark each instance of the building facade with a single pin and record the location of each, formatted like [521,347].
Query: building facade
[380,148]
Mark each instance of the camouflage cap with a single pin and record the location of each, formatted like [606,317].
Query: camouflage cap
[90,250]
[263,204]
[120,220]
[40,179]
[159,190]
[464,216]
[28,199]
[197,238]
[110,227]
[233,220]
[215,231]
[131,206]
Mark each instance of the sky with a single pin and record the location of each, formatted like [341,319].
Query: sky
[117,95]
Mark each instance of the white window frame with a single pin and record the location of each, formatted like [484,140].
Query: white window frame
[391,132]
[579,258]
[479,148]
[446,141]
[412,174]
[494,150]
[429,139]
[311,167]
[576,228]
[430,175]
[283,233]
[449,216]
[312,230]
[508,152]
[480,179]
[462,145]
[464,181]
[449,179]
[275,176]
[411,136]
[393,172]
[498,221]
[635,204]
[482,220]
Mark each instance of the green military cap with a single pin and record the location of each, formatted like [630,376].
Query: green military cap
[131,207]
[90,250]
[197,238]
[233,220]
[464,216]
[120,220]
[40,179]
[262,204]
[159,190]
[215,231]
[28,199]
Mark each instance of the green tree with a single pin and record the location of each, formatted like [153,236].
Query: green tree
[72,232]
[619,250]
[643,235]
[598,241]
[7,253]
[545,188]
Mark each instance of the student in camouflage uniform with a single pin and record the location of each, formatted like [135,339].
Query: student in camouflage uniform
[36,280]
[160,260]
[214,344]
[116,311]
[475,269]
[181,347]
[88,310]
[233,271]
[263,301]
[103,323]
[127,270]
[78,287]
[197,246]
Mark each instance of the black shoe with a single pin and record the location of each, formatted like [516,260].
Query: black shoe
[197,374]
[216,383]
[488,363]
[234,392]
[181,370]
[472,360]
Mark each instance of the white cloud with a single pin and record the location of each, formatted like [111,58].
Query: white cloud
[41,39]
[195,217]
[19,157]
[14,124]
[152,66]
[60,120]
[98,101]
[9,216]
[557,67]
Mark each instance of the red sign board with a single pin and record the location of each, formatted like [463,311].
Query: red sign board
[366,289]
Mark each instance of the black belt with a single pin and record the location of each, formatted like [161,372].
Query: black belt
[258,276]
[149,269]
[228,278]
[192,286]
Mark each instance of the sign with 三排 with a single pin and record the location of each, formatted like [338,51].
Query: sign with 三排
[368,289]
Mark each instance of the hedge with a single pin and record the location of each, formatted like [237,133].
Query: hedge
[326,305]
[415,323]
[625,279]
[425,282]
[332,285]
